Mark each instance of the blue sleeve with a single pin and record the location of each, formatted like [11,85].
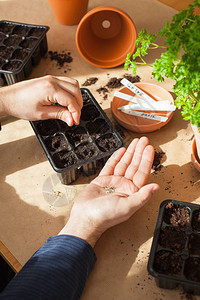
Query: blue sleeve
[58,270]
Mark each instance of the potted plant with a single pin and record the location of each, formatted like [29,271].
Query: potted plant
[180,61]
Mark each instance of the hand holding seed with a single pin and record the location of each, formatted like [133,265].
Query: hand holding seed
[116,194]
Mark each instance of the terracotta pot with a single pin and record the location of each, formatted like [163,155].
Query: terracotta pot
[138,124]
[197,138]
[194,157]
[105,35]
[69,12]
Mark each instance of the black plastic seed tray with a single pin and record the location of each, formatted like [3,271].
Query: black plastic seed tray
[21,47]
[175,253]
[80,149]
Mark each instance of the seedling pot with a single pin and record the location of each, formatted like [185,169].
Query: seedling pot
[175,252]
[80,149]
[105,35]
[194,156]
[138,124]
[69,12]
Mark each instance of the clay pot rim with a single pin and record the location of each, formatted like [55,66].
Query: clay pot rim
[195,160]
[146,127]
[109,63]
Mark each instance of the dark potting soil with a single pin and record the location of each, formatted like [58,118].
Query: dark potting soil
[97,127]
[5,52]
[13,65]
[60,58]
[86,151]
[47,127]
[6,28]
[56,143]
[167,263]
[196,220]
[89,112]
[28,43]
[20,54]
[90,81]
[176,216]
[86,99]
[192,269]
[64,159]
[77,136]
[2,37]
[20,30]
[158,156]
[194,244]
[36,32]
[172,238]
[107,142]
[13,40]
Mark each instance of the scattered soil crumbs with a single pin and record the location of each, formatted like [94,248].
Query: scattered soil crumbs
[90,81]
[114,83]
[60,58]
[157,160]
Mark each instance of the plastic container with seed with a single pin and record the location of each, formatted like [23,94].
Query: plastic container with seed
[21,47]
[80,149]
[175,253]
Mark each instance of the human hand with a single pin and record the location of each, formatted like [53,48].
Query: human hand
[32,99]
[116,194]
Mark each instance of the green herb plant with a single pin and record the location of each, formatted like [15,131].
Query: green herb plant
[180,60]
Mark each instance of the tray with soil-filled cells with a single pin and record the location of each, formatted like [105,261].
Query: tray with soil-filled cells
[21,47]
[80,149]
[175,252]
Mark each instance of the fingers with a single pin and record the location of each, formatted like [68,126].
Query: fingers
[136,159]
[110,165]
[66,92]
[141,176]
[139,199]
[126,159]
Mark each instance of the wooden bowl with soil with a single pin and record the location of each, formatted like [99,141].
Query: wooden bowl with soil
[175,253]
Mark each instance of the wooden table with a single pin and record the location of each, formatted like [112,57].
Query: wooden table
[35,205]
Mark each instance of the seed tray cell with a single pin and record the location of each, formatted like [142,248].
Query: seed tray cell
[21,47]
[80,149]
[175,252]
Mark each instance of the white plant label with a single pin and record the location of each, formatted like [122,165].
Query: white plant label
[145,115]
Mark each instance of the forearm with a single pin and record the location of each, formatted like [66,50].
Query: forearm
[3,100]
[58,270]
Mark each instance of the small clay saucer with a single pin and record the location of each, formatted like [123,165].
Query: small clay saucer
[138,124]
[194,157]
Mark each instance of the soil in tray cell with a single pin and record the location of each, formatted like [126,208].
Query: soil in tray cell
[99,126]
[5,52]
[194,244]
[107,142]
[20,30]
[2,37]
[176,215]
[167,263]
[13,40]
[13,65]
[2,61]
[47,127]
[64,159]
[172,238]
[192,269]
[86,151]
[196,220]
[56,143]
[28,43]
[20,54]
[36,32]
[86,99]
[6,28]
[77,135]
[89,112]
